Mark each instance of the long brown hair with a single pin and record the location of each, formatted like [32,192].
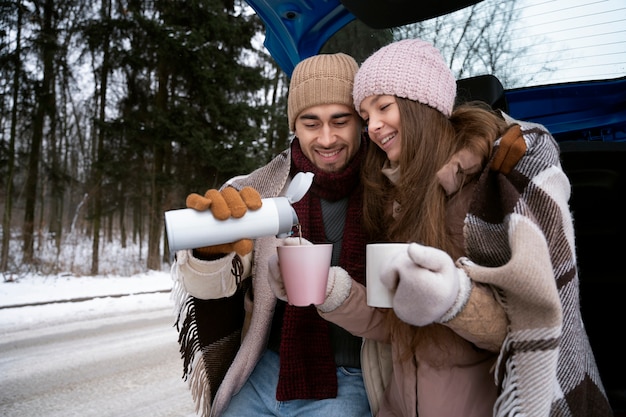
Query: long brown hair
[429,140]
[420,159]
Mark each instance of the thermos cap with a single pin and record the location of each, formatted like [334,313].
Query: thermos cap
[299,186]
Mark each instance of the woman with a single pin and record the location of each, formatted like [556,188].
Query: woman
[498,332]
[418,182]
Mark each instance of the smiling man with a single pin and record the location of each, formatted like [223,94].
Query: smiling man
[326,134]
[290,361]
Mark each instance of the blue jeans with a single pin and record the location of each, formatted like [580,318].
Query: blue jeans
[258,395]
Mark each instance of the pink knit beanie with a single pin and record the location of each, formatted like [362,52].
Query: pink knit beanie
[320,79]
[410,68]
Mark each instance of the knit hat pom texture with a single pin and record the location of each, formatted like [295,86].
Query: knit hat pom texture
[410,68]
[320,79]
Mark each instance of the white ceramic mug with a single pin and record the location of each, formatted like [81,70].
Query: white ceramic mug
[377,255]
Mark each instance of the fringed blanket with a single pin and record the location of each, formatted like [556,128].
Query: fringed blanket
[520,238]
[209,337]
[217,359]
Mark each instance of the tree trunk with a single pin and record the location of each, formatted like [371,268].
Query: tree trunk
[155,214]
[8,202]
[99,157]
[45,103]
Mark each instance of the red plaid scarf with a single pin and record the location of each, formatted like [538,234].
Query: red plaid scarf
[307,364]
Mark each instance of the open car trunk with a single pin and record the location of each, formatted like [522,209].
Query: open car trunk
[588,120]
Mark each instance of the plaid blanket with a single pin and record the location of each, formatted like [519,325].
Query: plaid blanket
[520,238]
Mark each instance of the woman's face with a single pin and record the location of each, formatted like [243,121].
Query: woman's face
[382,118]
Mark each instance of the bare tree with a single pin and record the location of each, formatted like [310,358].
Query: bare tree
[8,202]
[45,112]
[98,169]
[171,105]
[473,47]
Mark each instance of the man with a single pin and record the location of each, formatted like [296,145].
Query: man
[245,352]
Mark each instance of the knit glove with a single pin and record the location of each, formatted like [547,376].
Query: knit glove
[427,285]
[224,204]
[276,280]
[274,277]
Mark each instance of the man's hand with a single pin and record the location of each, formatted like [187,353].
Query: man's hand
[224,204]
[275,278]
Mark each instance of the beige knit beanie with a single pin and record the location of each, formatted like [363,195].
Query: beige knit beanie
[410,68]
[320,79]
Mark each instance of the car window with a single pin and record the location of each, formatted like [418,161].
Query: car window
[530,42]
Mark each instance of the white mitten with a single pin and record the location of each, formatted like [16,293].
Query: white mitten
[337,289]
[428,286]
[274,277]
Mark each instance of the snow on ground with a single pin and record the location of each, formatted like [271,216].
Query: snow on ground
[124,284]
[54,299]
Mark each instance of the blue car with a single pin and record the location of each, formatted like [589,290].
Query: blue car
[561,64]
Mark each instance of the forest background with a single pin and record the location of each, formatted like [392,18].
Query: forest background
[111,112]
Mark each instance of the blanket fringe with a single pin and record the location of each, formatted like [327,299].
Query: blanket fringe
[507,403]
[198,386]
[194,367]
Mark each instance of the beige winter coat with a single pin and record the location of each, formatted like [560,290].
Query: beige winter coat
[456,382]
[465,386]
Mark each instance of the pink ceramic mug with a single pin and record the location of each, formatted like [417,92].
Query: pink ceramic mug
[304,269]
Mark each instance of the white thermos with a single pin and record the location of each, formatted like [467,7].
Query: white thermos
[189,228]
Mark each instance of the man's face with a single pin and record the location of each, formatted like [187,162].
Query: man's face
[329,134]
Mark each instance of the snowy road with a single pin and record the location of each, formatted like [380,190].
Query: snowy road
[117,364]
